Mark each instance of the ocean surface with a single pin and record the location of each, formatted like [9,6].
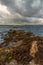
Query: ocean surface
[36,29]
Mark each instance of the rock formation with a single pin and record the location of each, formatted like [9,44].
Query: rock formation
[21,48]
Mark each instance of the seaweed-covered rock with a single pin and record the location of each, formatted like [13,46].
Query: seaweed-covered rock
[21,48]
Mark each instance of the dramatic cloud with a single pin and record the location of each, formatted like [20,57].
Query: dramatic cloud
[3,11]
[22,10]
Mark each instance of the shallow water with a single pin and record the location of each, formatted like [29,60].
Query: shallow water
[37,30]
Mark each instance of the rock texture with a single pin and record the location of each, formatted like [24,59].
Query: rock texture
[21,48]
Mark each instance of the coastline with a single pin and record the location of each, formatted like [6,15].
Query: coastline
[24,47]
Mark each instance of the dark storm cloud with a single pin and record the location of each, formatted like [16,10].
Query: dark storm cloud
[26,8]
[21,12]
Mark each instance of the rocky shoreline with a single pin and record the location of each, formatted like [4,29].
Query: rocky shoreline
[21,48]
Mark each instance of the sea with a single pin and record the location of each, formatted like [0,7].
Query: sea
[35,29]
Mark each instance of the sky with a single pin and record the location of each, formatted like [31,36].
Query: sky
[21,12]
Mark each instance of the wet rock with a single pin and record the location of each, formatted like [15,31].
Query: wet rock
[24,47]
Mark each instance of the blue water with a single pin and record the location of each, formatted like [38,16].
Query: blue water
[36,29]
